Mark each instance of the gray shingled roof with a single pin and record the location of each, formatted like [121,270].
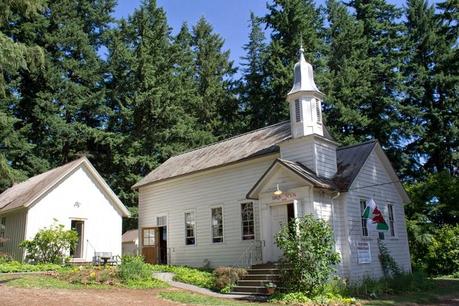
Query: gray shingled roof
[241,147]
[350,160]
[21,194]
[26,193]
[130,236]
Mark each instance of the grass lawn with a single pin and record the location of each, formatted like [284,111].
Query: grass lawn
[445,290]
[186,297]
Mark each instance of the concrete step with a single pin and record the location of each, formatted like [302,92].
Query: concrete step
[250,282]
[247,293]
[250,289]
[273,277]
[263,271]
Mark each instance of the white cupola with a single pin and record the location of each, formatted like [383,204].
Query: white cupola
[305,101]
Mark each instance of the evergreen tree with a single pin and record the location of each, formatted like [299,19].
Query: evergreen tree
[15,56]
[431,105]
[252,87]
[214,72]
[292,23]
[348,70]
[62,107]
[383,31]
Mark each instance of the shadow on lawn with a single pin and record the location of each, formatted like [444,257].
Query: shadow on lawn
[445,291]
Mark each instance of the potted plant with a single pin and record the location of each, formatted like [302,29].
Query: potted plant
[270,288]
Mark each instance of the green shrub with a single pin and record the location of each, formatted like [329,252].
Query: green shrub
[403,282]
[442,254]
[297,298]
[308,254]
[50,245]
[134,268]
[5,258]
[15,266]
[194,276]
[388,264]
[227,277]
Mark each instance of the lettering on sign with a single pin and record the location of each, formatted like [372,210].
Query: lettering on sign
[286,196]
[363,252]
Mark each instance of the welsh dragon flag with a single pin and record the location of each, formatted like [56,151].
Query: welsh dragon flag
[374,217]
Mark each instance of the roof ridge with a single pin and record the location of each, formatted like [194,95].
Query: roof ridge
[374,140]
[229,138]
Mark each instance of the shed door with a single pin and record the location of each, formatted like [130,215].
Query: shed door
[150,238]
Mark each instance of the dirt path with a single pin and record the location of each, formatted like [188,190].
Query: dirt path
[70,297]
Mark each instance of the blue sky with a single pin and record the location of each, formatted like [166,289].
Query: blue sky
[228,17]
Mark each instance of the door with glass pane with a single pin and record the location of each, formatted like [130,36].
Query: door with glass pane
[150,237]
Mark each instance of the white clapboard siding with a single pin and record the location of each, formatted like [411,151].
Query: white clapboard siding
[14,232]
[299,150]
[373,173]
[226,187]
[325,153]
[102,222]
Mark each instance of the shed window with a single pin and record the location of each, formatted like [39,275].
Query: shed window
[297,110]
[148,235]
[390,208]
[248,228]
[2,230]
[190,228]
[363,205]
[161,221]
[217,224]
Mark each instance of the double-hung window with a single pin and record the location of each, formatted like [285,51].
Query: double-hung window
[363,205]
[390,209]
[217,224]
[190,230]
[2,230]
[248,227]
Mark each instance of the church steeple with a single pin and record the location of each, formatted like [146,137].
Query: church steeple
[305,101]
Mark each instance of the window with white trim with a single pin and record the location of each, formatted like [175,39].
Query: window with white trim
[190,231]
[217,224]
[248,224]
[2,230]
[363,205]
[161,221]
[390,209]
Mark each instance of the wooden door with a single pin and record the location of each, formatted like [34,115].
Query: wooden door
[150,245]
[279,215]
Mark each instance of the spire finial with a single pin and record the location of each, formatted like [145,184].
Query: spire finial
[301,46]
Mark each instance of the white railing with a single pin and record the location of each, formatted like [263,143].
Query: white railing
[251,255]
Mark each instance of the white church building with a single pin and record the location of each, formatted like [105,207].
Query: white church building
[222,204]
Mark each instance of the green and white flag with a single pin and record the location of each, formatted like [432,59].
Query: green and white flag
[374,217]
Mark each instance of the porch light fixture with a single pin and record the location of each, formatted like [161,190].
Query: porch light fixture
[278,192]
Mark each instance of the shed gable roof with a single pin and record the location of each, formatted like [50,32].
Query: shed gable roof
[241,147]
[24,194]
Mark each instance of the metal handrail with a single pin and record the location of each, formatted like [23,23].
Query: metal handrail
[251,254]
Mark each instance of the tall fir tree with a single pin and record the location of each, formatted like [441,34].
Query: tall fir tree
[214,75]
[430,74]
[348,70]
[292,23]
[63,106]
[383,31]
[253,85]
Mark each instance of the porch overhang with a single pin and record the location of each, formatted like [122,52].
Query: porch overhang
[295,168]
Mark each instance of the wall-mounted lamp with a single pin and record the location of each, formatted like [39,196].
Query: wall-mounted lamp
[278,192]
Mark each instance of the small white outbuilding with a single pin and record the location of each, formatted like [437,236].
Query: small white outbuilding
[74,195]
